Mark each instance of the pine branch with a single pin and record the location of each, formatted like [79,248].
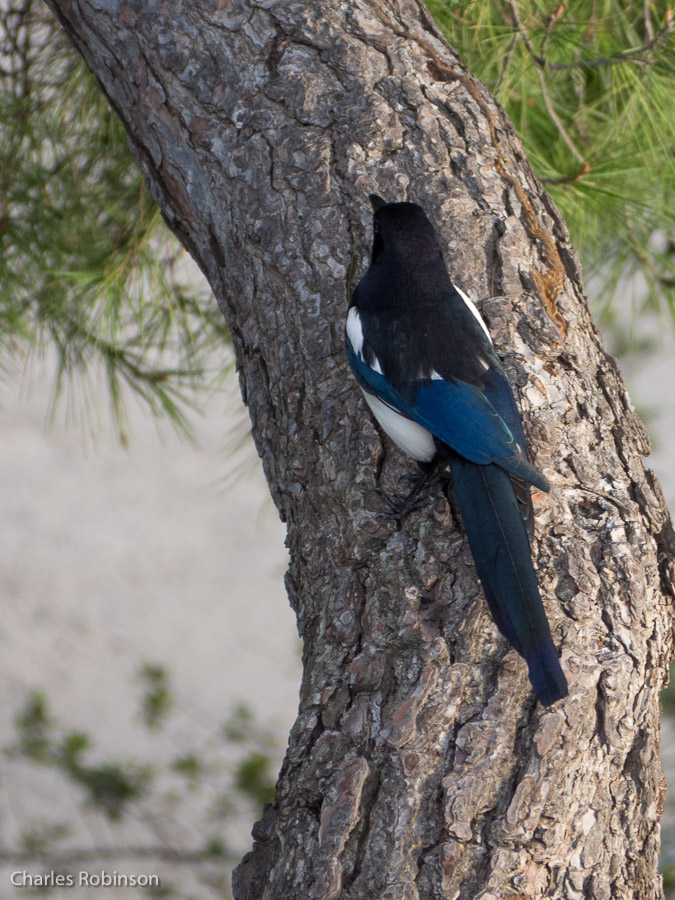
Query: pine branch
[621,56]
[569,179]
[658,276]
[648,21]
[558,123]
[553,19]
[540,66]
[518,22]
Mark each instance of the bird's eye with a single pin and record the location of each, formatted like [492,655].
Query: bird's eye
[376,227]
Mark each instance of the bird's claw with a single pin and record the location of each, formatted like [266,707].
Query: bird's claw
[413,477]
[399,506]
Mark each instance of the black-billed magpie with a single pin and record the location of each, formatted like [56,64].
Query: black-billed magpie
[425,362]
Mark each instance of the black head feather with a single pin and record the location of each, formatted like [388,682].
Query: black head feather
[402,232]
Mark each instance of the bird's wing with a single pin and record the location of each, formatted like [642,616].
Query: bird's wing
[464,416]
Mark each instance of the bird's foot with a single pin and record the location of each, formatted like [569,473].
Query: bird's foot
[399,506]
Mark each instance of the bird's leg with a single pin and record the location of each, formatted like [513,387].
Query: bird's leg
[399,506]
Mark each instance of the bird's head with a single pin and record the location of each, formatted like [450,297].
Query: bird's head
[402,231]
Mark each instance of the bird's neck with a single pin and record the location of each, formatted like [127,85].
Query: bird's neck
[395,284]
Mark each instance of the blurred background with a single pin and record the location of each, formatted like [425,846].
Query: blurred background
[150,662]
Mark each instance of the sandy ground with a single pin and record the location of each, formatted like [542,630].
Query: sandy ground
[110,558]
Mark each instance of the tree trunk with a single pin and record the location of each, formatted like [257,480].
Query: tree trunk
[420,765]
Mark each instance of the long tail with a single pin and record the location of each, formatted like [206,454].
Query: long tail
[501,550]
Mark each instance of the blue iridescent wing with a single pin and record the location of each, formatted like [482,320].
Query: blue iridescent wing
[460,415]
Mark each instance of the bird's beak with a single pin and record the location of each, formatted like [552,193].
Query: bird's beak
[376,202]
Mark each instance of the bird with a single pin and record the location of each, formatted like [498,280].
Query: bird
[425,362]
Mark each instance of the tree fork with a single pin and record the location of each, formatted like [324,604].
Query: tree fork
[420,765]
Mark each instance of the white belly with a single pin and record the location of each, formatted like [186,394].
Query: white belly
[412,438]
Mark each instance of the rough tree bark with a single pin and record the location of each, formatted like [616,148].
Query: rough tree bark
[420,765]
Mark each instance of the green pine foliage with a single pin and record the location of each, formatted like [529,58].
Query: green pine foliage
[589,87]
[178,813]
[87,267]
[157,698]
[109,786]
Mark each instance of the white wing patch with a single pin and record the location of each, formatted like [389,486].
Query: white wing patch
[412,438]
[474,311]
[355,335]
[355,331]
